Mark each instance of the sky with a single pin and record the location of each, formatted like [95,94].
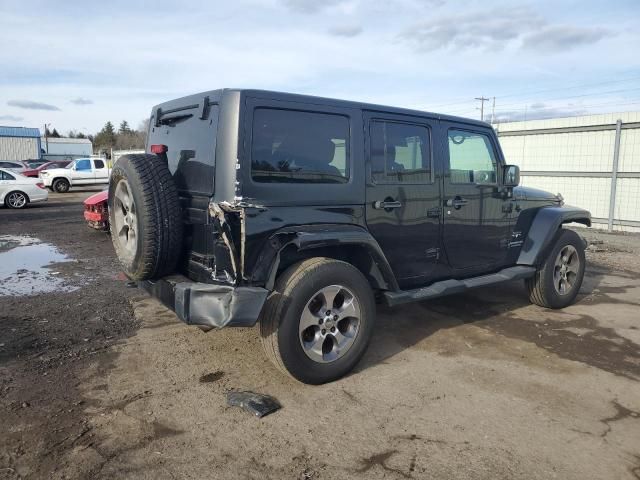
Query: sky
[75,64]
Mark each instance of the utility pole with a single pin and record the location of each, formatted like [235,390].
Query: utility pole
[493,111]
[482,100]
[46,137]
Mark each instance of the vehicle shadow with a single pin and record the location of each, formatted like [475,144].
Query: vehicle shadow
[505,310]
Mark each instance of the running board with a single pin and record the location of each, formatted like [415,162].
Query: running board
[448,287]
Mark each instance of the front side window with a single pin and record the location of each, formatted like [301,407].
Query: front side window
[471,158]
[400,153]
[291,146]
[83,165]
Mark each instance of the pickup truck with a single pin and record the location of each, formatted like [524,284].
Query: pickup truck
[82,171]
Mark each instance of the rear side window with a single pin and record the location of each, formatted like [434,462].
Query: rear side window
[471,158]
[400,153]
[291,146]
[10,165]
[98,163]
[6,176]
[191,145]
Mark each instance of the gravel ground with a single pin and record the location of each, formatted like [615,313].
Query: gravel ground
[97,380]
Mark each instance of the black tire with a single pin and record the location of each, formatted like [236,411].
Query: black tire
[60,185]
[279,325]
[10,203]
[541,287]
[158,219]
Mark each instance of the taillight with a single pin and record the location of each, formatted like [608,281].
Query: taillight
[158,149]
[40,185]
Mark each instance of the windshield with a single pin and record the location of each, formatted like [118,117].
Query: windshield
[70,165]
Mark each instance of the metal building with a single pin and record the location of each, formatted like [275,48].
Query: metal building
[592,160]
[19,143]
[66,148]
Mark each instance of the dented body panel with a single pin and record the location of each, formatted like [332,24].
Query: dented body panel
[208,305]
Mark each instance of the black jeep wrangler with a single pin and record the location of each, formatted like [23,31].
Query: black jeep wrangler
[300,212]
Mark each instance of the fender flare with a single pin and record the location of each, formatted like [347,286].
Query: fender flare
[543,230]
[309,237]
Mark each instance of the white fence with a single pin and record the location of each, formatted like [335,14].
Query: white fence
[593,161]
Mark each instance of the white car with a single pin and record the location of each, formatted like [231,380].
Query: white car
[82,171]
[17,167]
[17,191]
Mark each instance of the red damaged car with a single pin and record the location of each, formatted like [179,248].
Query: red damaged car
[96,211]
[35,171]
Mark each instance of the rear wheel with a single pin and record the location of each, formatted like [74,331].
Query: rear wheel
[558,280]
[318,322]
[61,185]
[16,200]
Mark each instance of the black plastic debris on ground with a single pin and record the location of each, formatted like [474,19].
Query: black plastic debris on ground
[212,377]
[255,403]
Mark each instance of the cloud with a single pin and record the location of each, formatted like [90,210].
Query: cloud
[488,29]
[346,30]
[563,37]
[81,101]
[494,29]
[11,118]
[30,105]
[310,6]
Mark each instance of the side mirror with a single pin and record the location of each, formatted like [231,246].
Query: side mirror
[511,176]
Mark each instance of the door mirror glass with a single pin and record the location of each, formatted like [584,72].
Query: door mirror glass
[511,175]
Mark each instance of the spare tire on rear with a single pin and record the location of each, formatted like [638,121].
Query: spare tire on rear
[144,216]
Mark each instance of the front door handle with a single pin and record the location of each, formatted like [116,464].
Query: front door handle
[386,204]
[457,202]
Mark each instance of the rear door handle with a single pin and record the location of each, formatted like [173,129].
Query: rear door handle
[386,204]
[457,202]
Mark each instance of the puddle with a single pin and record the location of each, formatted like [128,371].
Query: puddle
[25,267]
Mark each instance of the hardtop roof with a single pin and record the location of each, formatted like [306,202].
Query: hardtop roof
[216,96]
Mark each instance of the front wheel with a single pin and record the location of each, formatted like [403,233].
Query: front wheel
[318,321]
[558,280]
[61,185]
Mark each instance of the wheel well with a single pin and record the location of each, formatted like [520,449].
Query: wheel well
[55,179]
[355,255]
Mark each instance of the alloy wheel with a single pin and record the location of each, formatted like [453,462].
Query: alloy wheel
[125,218]
[17,200]
[329,323]
[566,268]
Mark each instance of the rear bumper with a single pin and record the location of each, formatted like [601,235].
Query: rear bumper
[207,305]
[39,197]
[95,216]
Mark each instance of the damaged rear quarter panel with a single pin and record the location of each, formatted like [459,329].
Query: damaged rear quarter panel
[262,223]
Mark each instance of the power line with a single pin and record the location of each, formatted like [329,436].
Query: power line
[558,98]
[571,87]
[574,114]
